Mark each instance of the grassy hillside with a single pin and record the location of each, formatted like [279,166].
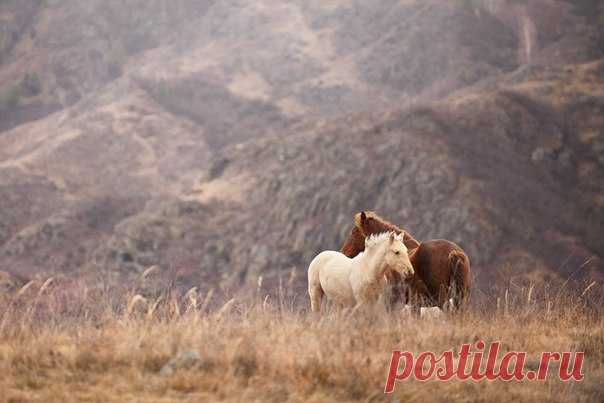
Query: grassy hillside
[68,342]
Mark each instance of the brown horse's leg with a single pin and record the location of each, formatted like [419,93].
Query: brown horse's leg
[415,287]
[416,310]
[413,299]
[396,289]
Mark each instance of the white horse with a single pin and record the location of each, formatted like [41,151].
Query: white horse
[360,280]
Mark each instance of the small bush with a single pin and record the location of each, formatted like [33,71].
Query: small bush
[31,84]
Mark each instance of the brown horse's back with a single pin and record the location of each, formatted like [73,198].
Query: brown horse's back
[445,270]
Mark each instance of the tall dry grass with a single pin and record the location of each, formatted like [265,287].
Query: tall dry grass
[75,342]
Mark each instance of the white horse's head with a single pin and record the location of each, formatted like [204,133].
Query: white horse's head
[393,252]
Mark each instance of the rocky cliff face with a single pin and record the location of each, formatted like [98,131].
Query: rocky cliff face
[488,171]
[232,140]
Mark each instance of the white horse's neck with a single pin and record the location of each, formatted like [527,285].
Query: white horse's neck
[371,264]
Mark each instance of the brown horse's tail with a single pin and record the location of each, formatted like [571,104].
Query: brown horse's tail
[460,279]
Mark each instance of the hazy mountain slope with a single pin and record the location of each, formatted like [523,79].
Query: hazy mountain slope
[234,139]
[522,201]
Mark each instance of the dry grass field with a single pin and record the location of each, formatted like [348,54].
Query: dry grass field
[65,343]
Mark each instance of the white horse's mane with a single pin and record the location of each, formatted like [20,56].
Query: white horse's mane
[379,238]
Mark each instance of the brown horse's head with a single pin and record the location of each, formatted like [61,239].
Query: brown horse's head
[367,223]
[370,223]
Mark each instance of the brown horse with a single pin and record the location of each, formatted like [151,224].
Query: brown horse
[442,269]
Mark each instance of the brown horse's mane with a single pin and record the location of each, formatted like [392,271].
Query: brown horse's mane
[386,226]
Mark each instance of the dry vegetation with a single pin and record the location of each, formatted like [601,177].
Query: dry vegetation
[69,342]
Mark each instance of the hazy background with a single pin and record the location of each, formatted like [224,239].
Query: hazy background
[227,140]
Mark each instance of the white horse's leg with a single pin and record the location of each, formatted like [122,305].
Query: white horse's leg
[316,295]
[315,291]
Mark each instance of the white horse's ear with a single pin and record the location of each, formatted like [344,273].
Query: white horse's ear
[367,242]
[392,237]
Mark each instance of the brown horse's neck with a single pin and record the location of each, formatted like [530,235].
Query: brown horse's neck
[354,244]
[409,241]
[413,259]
